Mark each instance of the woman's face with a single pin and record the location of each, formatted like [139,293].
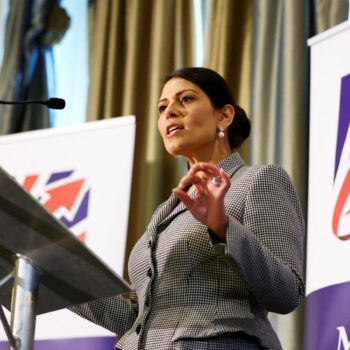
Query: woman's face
[187,120]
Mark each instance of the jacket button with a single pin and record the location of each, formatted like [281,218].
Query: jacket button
[138,329]
[149,272]
[147,303]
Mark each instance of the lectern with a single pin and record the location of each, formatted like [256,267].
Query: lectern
[43,266]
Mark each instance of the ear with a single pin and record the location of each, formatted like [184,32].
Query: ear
[227,114]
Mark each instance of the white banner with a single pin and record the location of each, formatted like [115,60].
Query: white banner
[328,242]
[83,176]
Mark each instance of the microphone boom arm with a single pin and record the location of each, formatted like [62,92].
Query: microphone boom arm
[54,102]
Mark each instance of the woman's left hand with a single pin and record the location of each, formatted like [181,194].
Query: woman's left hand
[211,184]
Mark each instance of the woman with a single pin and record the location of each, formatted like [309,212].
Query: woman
[224,249]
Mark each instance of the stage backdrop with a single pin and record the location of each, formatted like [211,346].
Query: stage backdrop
[83,176]
[328,243]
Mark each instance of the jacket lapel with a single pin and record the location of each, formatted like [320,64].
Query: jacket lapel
[163,211]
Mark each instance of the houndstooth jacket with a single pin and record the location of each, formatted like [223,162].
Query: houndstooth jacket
[189,286]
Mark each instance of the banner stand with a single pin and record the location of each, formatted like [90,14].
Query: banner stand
[327,318]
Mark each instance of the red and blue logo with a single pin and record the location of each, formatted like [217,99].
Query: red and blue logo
[341,212]
[63,194]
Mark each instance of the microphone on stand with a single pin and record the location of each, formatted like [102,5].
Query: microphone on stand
[53,102]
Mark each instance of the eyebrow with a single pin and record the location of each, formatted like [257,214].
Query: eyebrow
[179,93]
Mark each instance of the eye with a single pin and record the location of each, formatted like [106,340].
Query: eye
[186,99]
[161,108]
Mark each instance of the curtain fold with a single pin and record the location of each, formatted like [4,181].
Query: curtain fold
[279,104]
[133,45]
[32,28]
[328,13]
[228,48]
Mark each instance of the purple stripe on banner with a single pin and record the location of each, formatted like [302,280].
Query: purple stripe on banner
[81,214]
[344,119]
[58,176]
[327,320]
[93,343]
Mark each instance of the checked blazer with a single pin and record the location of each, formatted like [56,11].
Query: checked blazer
[194,292]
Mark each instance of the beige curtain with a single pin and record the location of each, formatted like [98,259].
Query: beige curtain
[328,13]
[280,97]
[280,87]
[133,45]
[228,48]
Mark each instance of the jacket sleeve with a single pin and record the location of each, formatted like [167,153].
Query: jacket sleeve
[116,313]
[267,245]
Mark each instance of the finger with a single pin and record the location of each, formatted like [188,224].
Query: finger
[188,180]
[183,197]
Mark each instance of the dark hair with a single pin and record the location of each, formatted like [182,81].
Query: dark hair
[218,91]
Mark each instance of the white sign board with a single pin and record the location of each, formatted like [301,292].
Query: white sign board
[83,176]
[327,318]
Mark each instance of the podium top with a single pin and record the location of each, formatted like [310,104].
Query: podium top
[71,272]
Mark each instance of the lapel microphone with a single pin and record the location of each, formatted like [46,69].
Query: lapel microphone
[54,103]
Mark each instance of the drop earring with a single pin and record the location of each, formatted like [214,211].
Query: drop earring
[221,133]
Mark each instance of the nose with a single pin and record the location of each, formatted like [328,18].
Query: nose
[171,111]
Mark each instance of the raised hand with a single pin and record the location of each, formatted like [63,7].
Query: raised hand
[207,206]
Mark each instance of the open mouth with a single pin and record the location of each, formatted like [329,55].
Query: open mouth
[172,129]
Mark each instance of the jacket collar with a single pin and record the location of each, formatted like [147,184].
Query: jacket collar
[231,164]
